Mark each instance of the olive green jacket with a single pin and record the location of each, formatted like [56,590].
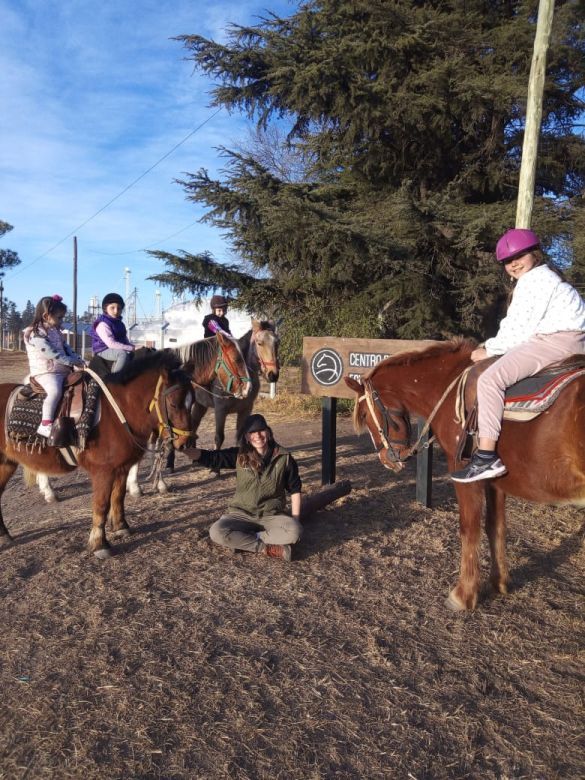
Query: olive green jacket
[262,494]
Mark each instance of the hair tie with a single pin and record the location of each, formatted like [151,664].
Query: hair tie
[57,297]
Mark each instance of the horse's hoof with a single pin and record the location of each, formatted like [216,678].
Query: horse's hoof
[103,553]
[51,499]
[5,540]
[501,588]
[454,603]
[162,488]
[121,532]
[135,492]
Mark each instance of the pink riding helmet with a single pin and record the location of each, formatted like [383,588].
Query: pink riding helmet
[516,242]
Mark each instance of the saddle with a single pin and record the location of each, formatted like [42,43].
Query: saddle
[74,419]
[524,400]
[101,366]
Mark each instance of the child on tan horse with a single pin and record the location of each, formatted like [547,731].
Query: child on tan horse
[217,319]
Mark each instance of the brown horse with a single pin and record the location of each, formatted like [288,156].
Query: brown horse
[153,395]
[219,359]
[545,457]
[260,349]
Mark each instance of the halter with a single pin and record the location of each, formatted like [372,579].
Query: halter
[164,422]
[373,401]
[223,362]
[265,365]
[153,404]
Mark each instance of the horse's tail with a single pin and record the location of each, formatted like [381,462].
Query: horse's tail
[30,476]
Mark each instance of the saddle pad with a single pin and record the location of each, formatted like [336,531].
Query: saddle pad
[531,396]
[24,415]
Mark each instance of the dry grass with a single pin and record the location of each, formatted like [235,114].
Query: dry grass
[176,660]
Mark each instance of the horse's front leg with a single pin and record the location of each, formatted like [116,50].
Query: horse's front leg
[117,516]
[471,504]
[132,482]
[7,469]
[102,483]
[220,415]
[495,526]
[241,418]
[45,488]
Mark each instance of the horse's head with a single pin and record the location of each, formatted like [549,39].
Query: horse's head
[231,369]
[265,340]
[171,404]
[387,421]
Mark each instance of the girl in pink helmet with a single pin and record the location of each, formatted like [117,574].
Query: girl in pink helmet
[545,323]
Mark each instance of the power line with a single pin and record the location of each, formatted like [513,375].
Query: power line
[145,248]
[115,198]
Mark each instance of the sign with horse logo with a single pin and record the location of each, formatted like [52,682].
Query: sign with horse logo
[326,360]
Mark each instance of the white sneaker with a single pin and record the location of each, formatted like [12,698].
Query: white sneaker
[44,430]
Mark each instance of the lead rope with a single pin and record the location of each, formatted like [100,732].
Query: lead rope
[459,380]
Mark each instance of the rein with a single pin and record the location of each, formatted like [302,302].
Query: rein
[153,404]
[373,400]
[162,422]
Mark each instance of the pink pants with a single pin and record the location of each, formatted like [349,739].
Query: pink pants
[516,364]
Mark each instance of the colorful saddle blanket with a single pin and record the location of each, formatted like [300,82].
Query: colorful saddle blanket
[24,414]
[531,396]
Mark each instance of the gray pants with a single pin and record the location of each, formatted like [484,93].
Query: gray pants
[119,356]
[238,532]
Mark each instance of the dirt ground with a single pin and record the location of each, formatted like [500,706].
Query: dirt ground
[177,660]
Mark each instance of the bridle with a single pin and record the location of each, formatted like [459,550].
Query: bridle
[388,424]
[224,362]
[265,365]
[374,402]
[164,421]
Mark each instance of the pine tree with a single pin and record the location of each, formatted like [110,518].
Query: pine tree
[28,314]
[409,116]
[8,258]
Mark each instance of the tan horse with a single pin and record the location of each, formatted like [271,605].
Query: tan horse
[260,349]
[545,457]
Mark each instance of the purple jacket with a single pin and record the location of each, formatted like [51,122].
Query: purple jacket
[117,328]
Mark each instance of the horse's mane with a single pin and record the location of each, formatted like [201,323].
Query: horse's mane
[457,344]
[161,359]
[202,351]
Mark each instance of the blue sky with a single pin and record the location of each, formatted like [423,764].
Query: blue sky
[92,95]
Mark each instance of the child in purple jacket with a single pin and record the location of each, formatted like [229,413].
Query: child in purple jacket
[109,338]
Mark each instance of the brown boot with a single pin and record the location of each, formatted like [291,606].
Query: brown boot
[282,551]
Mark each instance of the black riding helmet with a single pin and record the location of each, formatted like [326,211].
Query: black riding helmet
[112,298]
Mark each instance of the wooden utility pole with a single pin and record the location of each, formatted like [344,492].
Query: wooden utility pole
[533,114]
[75,293]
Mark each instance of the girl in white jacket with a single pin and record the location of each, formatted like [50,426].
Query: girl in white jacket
[545,323]
[50,357]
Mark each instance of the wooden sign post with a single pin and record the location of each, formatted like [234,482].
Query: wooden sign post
[326,360]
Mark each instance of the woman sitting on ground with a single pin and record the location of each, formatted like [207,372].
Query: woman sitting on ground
[256,519]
